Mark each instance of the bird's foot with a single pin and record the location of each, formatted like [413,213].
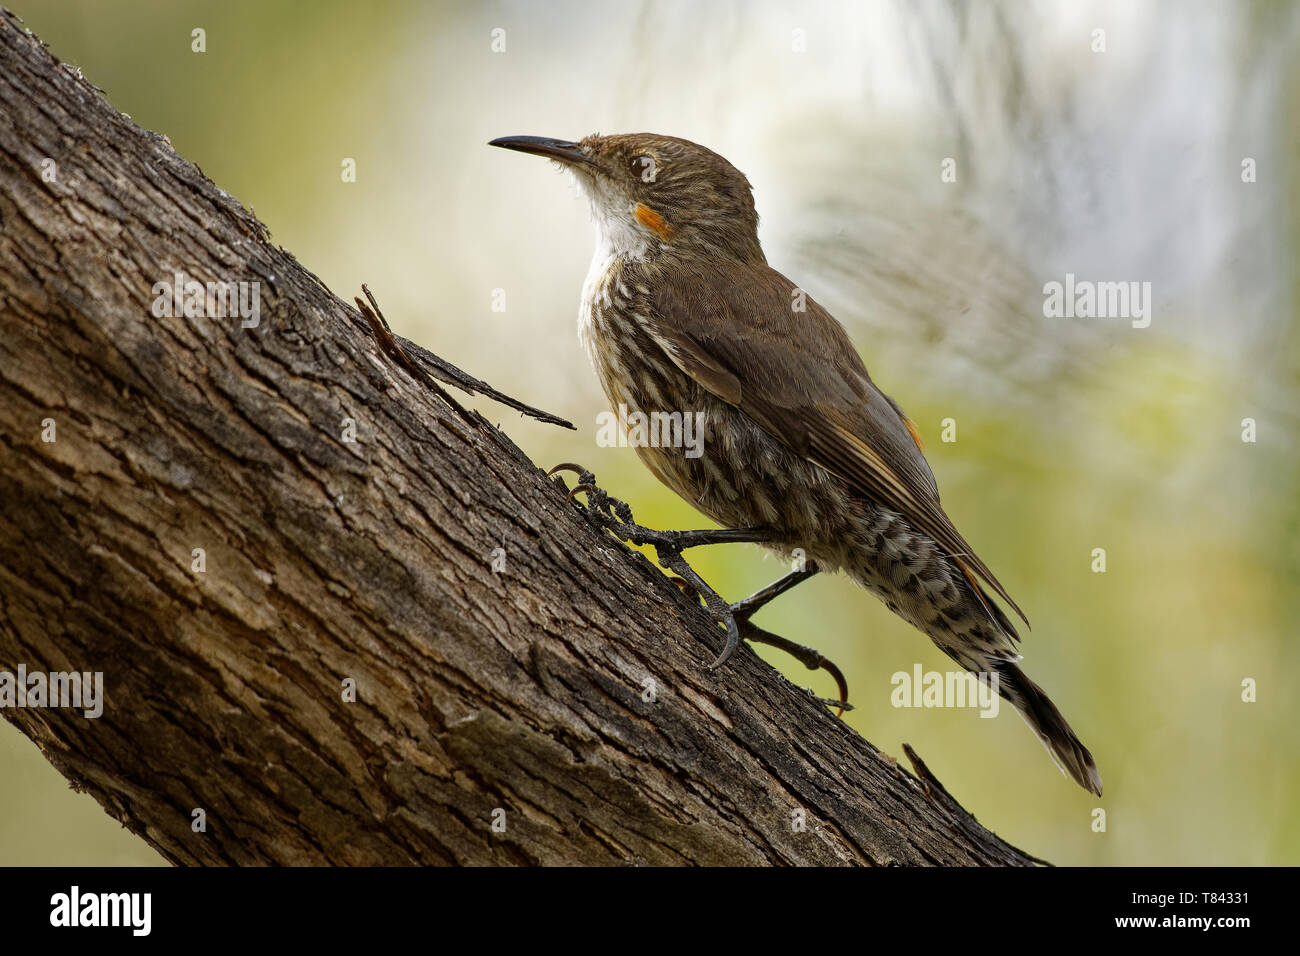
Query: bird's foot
[615,516]
[809,657]
[604,510]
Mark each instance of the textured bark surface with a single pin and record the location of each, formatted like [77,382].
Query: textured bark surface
[520,689]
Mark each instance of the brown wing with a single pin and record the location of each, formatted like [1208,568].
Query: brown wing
[738,332]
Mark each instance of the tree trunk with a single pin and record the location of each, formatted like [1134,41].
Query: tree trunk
[502,649]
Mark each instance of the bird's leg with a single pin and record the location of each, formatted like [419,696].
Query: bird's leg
[809,657]
[615,516]
[743,610]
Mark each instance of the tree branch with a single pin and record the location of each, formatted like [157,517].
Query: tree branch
[523,689]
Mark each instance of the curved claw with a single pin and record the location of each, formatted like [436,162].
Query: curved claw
[578,490]
[733,641]
[807,656]
[829,666]
[567,466]
[840,682]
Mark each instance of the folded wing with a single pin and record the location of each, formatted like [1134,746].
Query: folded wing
[749,336]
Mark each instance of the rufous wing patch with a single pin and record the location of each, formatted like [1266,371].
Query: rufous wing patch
[652,221]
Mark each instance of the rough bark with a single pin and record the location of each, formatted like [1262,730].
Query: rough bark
[520,689]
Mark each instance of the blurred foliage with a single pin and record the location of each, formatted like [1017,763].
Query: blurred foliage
[1072,434]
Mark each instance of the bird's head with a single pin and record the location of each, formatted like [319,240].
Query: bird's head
[655,196]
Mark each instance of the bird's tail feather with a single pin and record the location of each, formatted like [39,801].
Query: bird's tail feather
[1046,721]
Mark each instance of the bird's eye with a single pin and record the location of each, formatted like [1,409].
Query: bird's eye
[643,167]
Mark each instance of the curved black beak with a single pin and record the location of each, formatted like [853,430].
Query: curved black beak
[560,150]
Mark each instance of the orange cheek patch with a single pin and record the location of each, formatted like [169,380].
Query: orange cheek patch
[652,221]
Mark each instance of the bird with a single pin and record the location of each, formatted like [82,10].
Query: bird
[681,311]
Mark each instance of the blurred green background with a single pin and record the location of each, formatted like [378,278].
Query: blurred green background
[1073,434]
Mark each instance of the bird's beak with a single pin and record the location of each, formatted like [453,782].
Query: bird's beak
[560,150]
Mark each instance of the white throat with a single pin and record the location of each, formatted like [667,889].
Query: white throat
[617,231]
